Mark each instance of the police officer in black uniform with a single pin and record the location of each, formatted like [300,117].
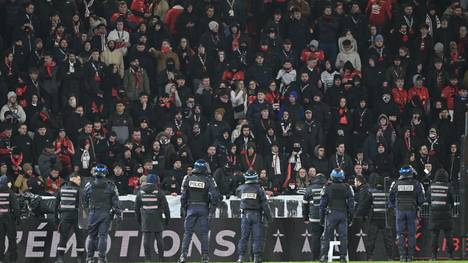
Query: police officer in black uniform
[150,205]
[101,199]
[377,218]
[311,211]
[336,211]
[406,196]
[9,218]
[441,200]
[255,210]
[66,214]
[199,198]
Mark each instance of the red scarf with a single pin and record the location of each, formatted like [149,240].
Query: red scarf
[49,67]
[16,161]
[235,41]
[343,119]
[137,76]
[250,164]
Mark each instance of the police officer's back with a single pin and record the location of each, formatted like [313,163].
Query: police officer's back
[101,199]
[150,205]
[9,218]
[311,211]
[441,198]
[255,211]
[406,196]
[377,218]
[199,197]
[66,213]
[336,210]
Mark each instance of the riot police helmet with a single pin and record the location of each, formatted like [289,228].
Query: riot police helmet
[200,166]
[406,172]
[250,176]
[100,170]
[337,175]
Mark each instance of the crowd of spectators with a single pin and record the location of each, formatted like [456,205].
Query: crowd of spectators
[289,88]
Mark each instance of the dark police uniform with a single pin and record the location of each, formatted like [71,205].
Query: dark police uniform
[102,200]
[377,223]
[66,209]
[9,217]
[441,200]
[311,212]
[336,208]
[254,210]
[150,205]
[406,195]
[199,194]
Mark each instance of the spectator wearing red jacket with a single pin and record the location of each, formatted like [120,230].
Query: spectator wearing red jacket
[170,19]
[450,91]
[65,150]
[400,94]
[131,20]
[312,50]
[419,90]
[380,12]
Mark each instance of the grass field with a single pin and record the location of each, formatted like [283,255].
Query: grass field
[441,261]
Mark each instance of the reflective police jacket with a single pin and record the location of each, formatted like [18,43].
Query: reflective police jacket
[311,200]
[68,201]
[253,198]
[337,196]
[199,189]
[379,204]
[101,194]
[150,205]
[440,197]
[406,194]
[9,206]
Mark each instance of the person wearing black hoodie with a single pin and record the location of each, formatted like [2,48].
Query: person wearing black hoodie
[150,205]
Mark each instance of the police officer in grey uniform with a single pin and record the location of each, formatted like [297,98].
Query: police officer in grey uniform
[9,218]
[311,211]
[336,212]
[66,214]
[101,199]
[441,200]
[199,198]
[150,205]
[255,210]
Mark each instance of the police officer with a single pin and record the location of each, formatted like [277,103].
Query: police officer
[199,197]
[441,200]
[9,218]
[66,213]
[102,202]
[255,210]
[150,204]
[336,211]
[377,218]
[406,196]
[311,211]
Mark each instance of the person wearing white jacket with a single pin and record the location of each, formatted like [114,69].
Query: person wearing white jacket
[348,52]
[15,111]
[239,100]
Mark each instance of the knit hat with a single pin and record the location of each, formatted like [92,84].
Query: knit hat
[151,179]
[212,25]
[11,94]
[379,38]
[439,47]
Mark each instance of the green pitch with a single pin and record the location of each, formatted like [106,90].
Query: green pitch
[456,261]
